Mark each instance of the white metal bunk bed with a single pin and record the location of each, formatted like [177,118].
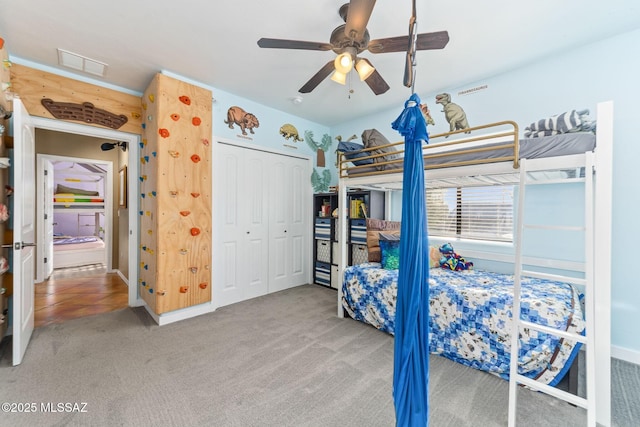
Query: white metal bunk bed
[595,272]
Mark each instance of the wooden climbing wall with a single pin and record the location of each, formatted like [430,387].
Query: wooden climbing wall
[175,195]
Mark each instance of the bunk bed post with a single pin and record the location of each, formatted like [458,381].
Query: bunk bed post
[602,258]
[343,220]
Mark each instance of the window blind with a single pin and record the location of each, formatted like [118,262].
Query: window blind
[481,213]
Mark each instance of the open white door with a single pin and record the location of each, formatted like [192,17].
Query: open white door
[44,178]
[23,174]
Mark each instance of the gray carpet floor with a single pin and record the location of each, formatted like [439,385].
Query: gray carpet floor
[280,360]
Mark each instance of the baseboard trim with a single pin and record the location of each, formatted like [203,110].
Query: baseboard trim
[177,315]
[124,279]
[621,353]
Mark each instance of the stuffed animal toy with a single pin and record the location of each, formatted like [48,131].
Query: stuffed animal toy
[451,260]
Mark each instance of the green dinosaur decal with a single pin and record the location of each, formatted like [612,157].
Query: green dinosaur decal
[319,147]
[323,145]
[320,183]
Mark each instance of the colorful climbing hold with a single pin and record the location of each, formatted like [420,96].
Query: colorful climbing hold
[195,158]
[195,231]
[163,132]
[196,121]
[185,100]
[195,195]
[175,117]
[185,213]
[184,289]
[203,285]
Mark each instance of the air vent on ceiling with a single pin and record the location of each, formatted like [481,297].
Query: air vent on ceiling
[81,63]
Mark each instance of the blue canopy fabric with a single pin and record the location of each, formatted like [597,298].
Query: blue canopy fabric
[411,345]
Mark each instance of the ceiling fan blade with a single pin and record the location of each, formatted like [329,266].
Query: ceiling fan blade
[376,82]
[357,18]
[424,41]
[432,41]
[317,78]
[292,44]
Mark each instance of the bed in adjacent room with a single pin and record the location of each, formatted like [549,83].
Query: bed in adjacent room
[75,251]
[79,218]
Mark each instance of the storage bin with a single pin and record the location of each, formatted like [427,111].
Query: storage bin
[336,252]
[323,251]
[359,254]
[336,280]
[323,228]
[358,231]
[323,273]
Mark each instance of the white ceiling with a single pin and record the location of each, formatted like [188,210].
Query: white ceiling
[215,43]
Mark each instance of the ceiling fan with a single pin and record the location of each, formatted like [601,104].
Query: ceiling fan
[351,39]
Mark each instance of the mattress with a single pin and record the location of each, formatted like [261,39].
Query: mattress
[77,243]
[530,148]
[470,317]
[74,198]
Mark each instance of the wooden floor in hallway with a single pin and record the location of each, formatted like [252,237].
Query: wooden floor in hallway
[78,292]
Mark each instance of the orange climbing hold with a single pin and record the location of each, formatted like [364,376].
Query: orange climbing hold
[196,121]
[185,100]
[185,213]
[195,158]
[184,289]
[175,117]
[163,132]
[195,195]
[203,285]
[195,231]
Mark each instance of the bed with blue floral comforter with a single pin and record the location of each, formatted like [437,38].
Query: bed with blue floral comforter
[470,317]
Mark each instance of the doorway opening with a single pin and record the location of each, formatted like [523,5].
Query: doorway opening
[77,288]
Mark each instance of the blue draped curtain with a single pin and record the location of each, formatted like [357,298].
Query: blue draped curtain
[411,345]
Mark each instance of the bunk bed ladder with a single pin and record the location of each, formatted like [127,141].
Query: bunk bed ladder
[587,283]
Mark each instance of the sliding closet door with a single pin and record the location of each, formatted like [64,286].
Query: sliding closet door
[242,183]
[288,227]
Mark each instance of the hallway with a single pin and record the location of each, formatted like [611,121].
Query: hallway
[78,292]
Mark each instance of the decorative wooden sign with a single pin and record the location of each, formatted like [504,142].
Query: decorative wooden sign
[85,112]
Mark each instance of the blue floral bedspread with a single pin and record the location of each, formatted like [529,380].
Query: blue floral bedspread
[470,317]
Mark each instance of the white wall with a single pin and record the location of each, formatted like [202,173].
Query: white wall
[576,79]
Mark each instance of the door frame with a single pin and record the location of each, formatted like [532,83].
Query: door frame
[132,141]
[108,206]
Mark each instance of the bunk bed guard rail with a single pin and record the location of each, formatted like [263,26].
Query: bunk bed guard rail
[440,153]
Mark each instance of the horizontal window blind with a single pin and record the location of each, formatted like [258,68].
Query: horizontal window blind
[481,213]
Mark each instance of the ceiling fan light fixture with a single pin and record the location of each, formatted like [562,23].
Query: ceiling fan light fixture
[339,77]
[343,63]
[364,69]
